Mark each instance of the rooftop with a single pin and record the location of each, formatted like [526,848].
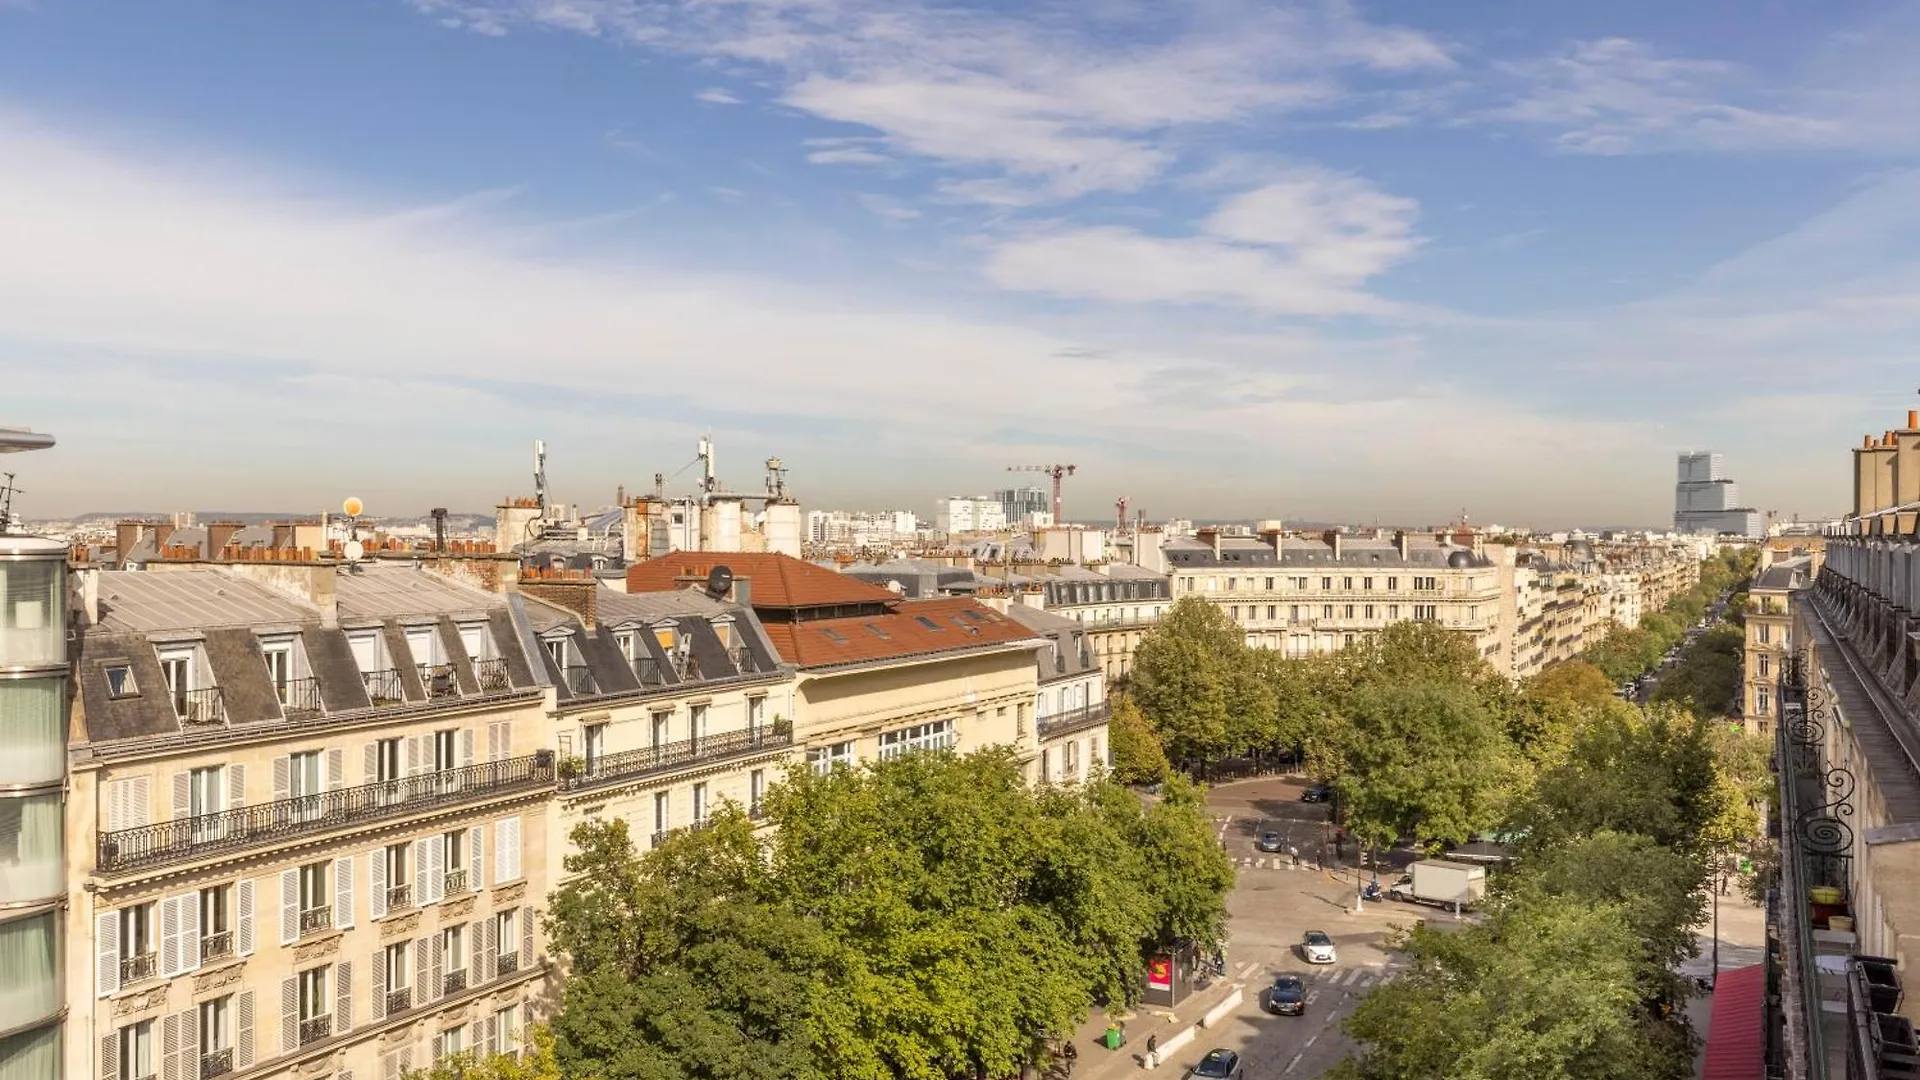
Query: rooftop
[777,581]
[910,629]
[375,591]
[196,599]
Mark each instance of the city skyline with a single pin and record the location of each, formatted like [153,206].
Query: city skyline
[1233,260]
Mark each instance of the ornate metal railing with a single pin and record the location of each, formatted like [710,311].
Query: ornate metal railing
[300,696]
[135,968]
[674,755]
[647,670]
[385,687]
[454,982]
[399,1000]
[439,681]
[492,675]
[315,1029]
[1816,844]
[276,822]
[1086,716]
[660,835]
[455,883]
[506,964]
[216,1063]
[399,896]
[200,707]
[216,946]
[579,679]
[314,920]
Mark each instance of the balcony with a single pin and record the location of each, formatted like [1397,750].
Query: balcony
[492,675]
[315,1029]
[647,670]
[506,964]
[742,660]
[632,764]
[274,823]
[399,896]
[399,1000]
[384,687]
[453,982]
[300,697]
[455,883]
[216,946]
[135,968]
[216,1063]
[578,679]
[439,681]
[316,920]
[200,708]
[1080,719]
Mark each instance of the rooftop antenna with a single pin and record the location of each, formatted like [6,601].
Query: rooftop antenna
[660,485]
[776,478]
[708,485]
[7,492]
[540,474]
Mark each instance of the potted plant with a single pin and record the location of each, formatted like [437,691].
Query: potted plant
[571,768]
[782,727]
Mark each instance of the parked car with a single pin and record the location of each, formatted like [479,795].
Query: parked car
[1317,948]
[1270,842]
[1287,996]
[1317,793]
[1219,1064]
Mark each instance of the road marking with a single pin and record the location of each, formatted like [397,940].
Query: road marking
[1295,1063]
[1355,976]
[1313,996]
[1260,863]
[1248,967]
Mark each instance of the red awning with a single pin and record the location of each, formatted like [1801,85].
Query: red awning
[1736,1035]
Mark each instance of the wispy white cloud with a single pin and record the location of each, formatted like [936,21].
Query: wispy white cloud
[716,95]
[888,207]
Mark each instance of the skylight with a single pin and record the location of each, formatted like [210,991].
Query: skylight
[928,623]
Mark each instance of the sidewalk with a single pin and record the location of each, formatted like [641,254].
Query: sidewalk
[1096,1062]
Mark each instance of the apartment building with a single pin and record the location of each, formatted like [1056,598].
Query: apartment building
[1314,595]
[875,675]
[668,705]
[1117,603]
[306,821]
[1769,630]
[1070,705]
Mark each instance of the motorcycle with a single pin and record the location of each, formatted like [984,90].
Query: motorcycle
[1372,891]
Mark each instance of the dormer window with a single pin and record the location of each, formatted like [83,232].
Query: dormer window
[287,670]
[723,628]
[559,649]
[120,682]
[629,644]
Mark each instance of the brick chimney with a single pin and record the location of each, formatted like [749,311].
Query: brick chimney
[1332,539]
[162,530]
[219,535]
[563,589]
[1400,542]
[126,533]
[1210,536]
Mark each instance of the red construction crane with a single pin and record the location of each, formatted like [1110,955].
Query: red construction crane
[1055,471]
[1120,515]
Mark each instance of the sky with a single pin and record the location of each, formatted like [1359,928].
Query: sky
[1231,258]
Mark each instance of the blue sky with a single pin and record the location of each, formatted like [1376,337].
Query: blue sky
[1230,257]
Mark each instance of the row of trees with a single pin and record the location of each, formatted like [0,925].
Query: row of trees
[1625,653]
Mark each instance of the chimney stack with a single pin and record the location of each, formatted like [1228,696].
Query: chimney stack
[126,534]
[1400,543]
[219,535]
[1210,536]
[1332,539]
[161,531]
[439,528]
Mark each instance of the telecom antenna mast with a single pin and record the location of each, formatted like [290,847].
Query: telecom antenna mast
[540,474]
[1054,471]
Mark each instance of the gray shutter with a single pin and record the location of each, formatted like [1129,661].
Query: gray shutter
[343,997]
[379,981]
[343,893]
[106,947]
[243,921]
[236,786]
[526,937]
[182,796]
[282,782]
[289,906]
[476,866]
[377,884]
[289,1015]
[243,1048]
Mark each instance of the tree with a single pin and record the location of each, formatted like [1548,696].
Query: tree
[1575,683]
[1181,685]
[1422,759]
[1707,679]
[536,1062]
[1137,756]
[1649,772]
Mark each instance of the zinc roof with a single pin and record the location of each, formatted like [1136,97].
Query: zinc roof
[142,601]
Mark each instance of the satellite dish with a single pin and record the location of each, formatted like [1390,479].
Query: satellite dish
[719,581]
[352,507]
[354,550]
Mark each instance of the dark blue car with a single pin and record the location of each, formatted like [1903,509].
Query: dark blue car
[1287,996]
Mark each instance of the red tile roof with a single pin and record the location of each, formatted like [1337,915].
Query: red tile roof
[1736,1034]
[777,581]
[911,629]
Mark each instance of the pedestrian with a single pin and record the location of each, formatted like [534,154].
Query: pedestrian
[1293,855]
[1153,1043]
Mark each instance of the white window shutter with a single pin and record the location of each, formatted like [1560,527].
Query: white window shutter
[489,948]
[189,910]
[106,947]
[526,937]
[289,1015]
[282,778]
[422,870]
[413,755]
[371,764]
[190,1044]
[376,884]
[436,868]
[289,906]
[110,1057]
[514,850]
[115,796]
[479,968]
[169,937]
[476,866]
[476,1037]
[182,796]
[439,1047]
[492,1043]
[243,1030]
[436,979]
[170,1047]
[493,742]
[343,893]
[139,802]
[343,997]
[236,786]
[422,970]
[243,920]
[378,979]
[466,746]
[336,768]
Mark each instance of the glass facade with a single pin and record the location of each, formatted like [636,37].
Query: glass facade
[33,736]
[29,975]
[33,610]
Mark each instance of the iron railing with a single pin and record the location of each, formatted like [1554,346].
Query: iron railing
[216,946]
[1080,719]
[743,660]
[300,696]
[399,1000]
[674,755]
[506,964]
[315,1029]
[385,686]
[492,675]
[660,835]
[579,679]
[135,968]
[455,883]
[399,896]
[276,822]
[200,707]
[647,670]
[439,681]
[314,920]
[455,982]
[216,1063]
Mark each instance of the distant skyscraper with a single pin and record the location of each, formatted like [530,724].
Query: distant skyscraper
[1705,500]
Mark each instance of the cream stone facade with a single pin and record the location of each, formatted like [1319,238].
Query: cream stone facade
[1070,700]
[1787,566]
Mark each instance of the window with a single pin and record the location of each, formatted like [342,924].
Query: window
[1293,612]
[1326,611]
[136,1050]
[136,943]
[177,666]
[1235,615]
[1093,753]
[596,745]
[698,727]
[1366,584]
[206,791]
[1346,584]
[756,790]
[453,943]
[824,759]
[756,713]
[937,735]
[629,644]
[723,630]
[1393,611]
[453,1040]
[398,988]
[1326,584]
[216,1031]
[1347,611]
[316,902]
[506,1029]
[1765,663]
[1269,584]
[279,657]
[1766,633]
[313,995]
[399,884]
[699,804]
[1272,610]
[454,844]
[443,750]
[216,927]
[557,651]
[506,931]
[1369,611]
[386,761]
[475,640]
[1232,583]
[661,820]
[1393,583]
[926,622]
[120,682]
[1762,701]
[303,774]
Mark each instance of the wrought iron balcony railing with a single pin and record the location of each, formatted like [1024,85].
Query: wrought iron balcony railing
[315,920]
[314,1029]
[399,896]
[216,946]
[455,982]
[200,708]
[439,681]
[216,1063]
[455,883]
[579,679]
[660,836]
[743,661]
[276,822]
[300,697]
[492,675]
[647,670]
[1080,719]
[610,768]
[385,687]
[506,964]
[399,999]
[135,968]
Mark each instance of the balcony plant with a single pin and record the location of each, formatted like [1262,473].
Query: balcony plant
[782,727]
[571,768]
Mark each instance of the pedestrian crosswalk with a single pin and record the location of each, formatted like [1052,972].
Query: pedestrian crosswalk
[1337,982]
[1272,862]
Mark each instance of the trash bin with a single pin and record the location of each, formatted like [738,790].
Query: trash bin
[1113,1039]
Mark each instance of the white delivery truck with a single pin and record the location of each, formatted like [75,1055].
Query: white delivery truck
[1452,885]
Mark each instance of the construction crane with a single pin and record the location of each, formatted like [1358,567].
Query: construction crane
[1055,471]
[1120,515]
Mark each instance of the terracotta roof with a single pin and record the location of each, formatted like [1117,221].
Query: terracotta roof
[1736,1033]
[913,628]
[777,581]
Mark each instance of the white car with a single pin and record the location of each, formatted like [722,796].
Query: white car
[1317,948]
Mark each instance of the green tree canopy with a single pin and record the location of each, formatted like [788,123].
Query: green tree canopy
[1650,772]
[1137,756]
[1424,759]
